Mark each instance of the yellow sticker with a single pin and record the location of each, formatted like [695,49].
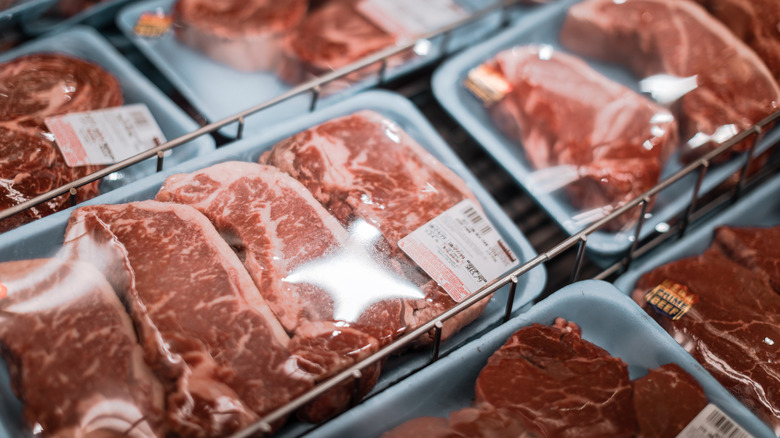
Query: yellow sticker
[671,299]
[488,84]
[153,24]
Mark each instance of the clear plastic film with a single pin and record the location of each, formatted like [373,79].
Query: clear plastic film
[731,302]
[601,142]
[714,83]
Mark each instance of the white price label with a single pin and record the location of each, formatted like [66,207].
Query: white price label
[105,136]
[460,249]
[713,423]
[411,18]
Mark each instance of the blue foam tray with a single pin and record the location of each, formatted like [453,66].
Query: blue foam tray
[607,318]
[44,237]
[219,91]
[97,16]
[543,28]
[86,43]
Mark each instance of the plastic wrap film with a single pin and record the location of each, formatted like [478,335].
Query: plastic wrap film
[248,36]
[542,383]
[714,83]
[732,326]
[601,141]
[34,87]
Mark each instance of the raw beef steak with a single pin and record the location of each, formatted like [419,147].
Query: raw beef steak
[733,89]
[666,400]
[364,167]
[32,88]
[610,142]
[246,35]
[205,327]
[557,384]
[303,262]
[732,330]
[755,22]
[465,423]
[73,354]
[757,249]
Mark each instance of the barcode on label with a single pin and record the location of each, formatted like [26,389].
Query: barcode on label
[139,118]
[725,426]
[475,217]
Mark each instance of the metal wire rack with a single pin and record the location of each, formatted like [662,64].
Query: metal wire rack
[698,208]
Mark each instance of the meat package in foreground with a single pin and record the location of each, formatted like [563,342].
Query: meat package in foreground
[73,355]
[365,168]
[206,331]
[731,323]
[682,54]
[603,142]
[32,88]
[546,381]
[330,288]
[246,35]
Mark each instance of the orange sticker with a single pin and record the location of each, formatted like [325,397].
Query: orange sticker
[671,299]
[3,290]
[153,24]
[487,84]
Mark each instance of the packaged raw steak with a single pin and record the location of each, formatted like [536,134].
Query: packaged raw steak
[546,381]
[206,330]
[717,86]
[602,142]
[32,88]
[73,354]
[337,296]
[246,35]
[364,169]
[69,8]
[726,315]
[755,22]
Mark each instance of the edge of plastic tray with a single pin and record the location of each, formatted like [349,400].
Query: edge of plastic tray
[599,309]
[176,122]
[95,15]
[605,246]
[25,10]
[42,237]
[758,207]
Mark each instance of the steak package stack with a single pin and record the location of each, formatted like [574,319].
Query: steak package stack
[546,381]
[242,286]
[724,308]
[32,88]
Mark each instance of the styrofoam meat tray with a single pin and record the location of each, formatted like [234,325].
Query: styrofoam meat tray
[219,91]
[22,10]
[98,15]
[608,319]
[87,44]
[42,238]
[543,28]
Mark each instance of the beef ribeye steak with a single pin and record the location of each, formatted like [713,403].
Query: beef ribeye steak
[205,327]
[731,330]
[733,88]
[246,35]
[73,355]
[365,167]
[32,88]
[564,113]
[756,248]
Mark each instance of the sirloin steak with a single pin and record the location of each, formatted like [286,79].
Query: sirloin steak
[205,328]
[32,88]
[733,88]
[246,35]
[755,248]
[365,167]
[299,257]
[613,141]
[73,354]
[732,330]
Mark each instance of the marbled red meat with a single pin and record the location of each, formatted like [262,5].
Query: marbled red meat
[564,113]
[756,248]
[206,329]
[32,88]
[733,329]
[363,167]
[733,88]
[73,355]
[246,35]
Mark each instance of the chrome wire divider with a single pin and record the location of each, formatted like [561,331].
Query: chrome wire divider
[314,87]
[579,239]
